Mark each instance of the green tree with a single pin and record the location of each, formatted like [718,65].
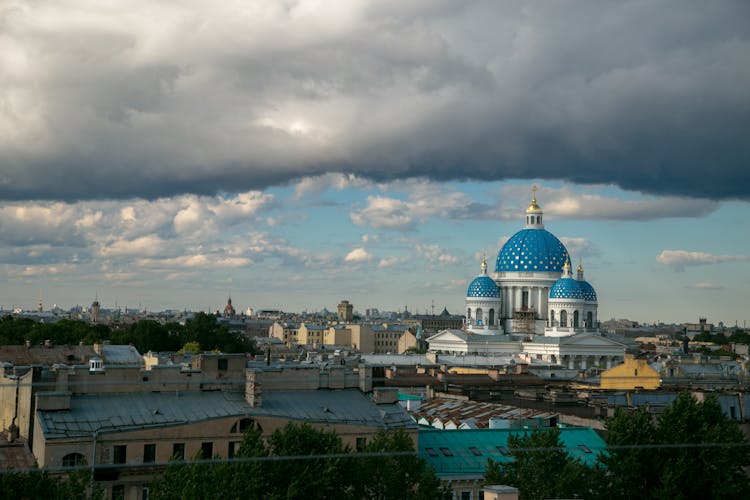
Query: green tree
[193,347]
[285,473]
[39,484]
[696,452]
[320,477]
[399,476]
[205,330]
[148,335]
[541,468]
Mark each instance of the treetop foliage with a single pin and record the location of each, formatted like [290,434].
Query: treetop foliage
[692,450]
[278,477]
[146,335]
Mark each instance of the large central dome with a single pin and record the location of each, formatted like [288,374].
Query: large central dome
[532,250]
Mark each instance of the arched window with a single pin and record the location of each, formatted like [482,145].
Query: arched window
[575,319]
[468,313]
[564,318]
[492,317]
[478,313]
[243,425]
[589,320]
[73,460]
[552,317]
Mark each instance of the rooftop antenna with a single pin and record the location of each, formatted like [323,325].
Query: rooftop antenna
[433,307]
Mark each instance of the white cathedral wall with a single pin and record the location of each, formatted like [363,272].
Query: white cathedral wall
[554,326]
[472,304]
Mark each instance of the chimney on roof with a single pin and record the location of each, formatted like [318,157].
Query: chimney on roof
[253,390]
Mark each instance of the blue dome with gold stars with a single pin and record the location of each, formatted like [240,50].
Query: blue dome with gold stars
[566,288]
[483,286]
[589,294]
[530,250]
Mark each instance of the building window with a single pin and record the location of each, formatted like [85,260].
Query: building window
[466,495]
[146,493]
[361,442]
[233,447]
[120,454]
[207,450]
[551,317]
[492,317]
[431,452]
[589,320]
[73,460]
[525,299]
[223,364]
[243,425]
[479,315]
[178,451]
[475,451]
[468,313]
[149,453]
[118,492]
[575,319]
[564,318]
[446,451]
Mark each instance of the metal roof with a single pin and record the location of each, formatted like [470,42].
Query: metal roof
[465,452]
[346,406]
[395,359]
[90,412]
[121,355]
[131,410]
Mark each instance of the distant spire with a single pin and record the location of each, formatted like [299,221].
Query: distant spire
[566,267]
[580,270]
[484,263]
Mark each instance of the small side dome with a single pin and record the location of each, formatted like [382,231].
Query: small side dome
[588,292]
[483,286]
[566,288]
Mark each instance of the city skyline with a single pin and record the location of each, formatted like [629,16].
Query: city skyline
[296,155]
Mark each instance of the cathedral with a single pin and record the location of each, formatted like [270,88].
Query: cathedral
[532,304]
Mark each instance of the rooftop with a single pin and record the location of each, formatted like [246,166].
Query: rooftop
[465,452]
[127,410]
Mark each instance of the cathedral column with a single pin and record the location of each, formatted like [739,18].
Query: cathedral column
[512,301]
[519,298]
[540,305]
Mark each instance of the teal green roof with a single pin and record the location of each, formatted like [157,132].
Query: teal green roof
[408,397]
[465,452]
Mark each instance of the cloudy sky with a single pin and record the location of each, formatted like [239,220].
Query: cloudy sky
[295,153]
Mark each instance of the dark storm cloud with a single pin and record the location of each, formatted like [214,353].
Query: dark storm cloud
[114,101]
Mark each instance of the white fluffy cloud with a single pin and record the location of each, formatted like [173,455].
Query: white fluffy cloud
[436,255]
[680,259]
[358,255]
